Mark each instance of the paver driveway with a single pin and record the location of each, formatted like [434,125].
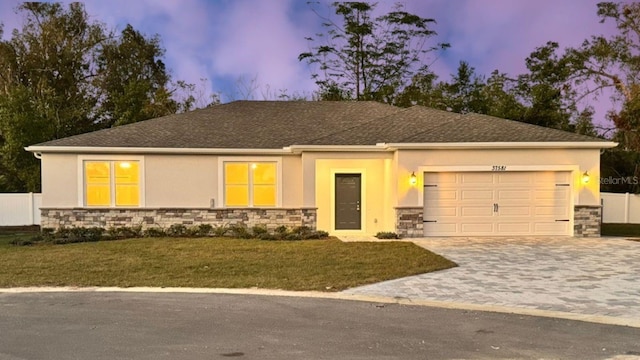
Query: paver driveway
[577,275]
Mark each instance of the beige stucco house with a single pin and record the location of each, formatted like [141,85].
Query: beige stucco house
[350,168]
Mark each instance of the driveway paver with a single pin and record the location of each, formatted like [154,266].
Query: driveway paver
[565,274]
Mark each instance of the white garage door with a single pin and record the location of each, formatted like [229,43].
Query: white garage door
[497,203]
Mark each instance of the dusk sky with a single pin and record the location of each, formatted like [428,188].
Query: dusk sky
[224,40]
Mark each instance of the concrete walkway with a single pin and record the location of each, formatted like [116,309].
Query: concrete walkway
[593,277]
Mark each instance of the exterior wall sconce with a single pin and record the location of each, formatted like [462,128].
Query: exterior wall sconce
[585,178]
[413,179]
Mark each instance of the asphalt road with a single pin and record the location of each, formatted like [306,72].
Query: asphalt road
[87,325]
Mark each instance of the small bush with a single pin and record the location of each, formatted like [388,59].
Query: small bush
[177,230]
[387,235]
[292,236]
[267,236]
[281,231]
[154,232]
[258,230]
[124,232]
[220,231]
[240,231]
[204,230]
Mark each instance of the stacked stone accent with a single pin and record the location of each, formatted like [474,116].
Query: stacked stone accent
[409,221]
[587,220]
[149,218]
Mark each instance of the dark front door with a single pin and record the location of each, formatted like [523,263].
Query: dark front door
[348,202]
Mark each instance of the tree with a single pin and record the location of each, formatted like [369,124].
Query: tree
[133,80]
[62,74]
[613,63]
[365,58]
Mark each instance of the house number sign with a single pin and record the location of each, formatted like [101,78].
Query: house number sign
[499,168]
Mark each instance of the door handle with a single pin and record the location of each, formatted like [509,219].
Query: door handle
[495,208]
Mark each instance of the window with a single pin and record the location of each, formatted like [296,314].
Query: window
[250,184]
[112,183]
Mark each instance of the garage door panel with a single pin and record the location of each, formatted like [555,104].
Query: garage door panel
[551,228]
[467,211]
[513,195]
[551,194]
[441,211]
[476,228]
[497,203]
[441,195]
[476,194]
[554,211]
[515,228]
[441,228]
[518,179]
[477,178]
[516,210]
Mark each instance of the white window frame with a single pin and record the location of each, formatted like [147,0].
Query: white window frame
[249,160]
[82,185]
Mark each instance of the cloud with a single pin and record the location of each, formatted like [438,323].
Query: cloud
[224,40]
[258,39]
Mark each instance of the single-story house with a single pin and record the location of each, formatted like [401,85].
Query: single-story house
[349,168]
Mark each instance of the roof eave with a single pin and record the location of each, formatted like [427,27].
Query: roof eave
[502,145]
[297,149]
[152,150]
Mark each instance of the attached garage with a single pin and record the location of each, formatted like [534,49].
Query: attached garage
[497,203]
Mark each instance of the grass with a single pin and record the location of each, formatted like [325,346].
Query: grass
[8,233]
[325,265]
[631,230]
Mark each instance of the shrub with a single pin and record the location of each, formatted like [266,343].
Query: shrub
[177,230]
[154,232]
[125,232]
[267,236]
[387,235]
[240,231]
[281,231]
[258,230]
[204,229]
[220,231]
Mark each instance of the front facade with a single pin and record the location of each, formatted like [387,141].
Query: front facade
[356,180]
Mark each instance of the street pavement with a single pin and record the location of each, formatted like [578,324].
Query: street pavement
[129,325]
[585,278]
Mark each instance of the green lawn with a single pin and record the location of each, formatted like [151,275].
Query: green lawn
[325,265]
[630,230]
[8,233]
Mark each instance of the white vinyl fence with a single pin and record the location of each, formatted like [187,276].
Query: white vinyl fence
[620,208]
[20,209]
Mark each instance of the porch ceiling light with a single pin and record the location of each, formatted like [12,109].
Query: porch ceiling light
[413,179]
[585,177]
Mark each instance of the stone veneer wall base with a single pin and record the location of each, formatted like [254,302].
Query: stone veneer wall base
[409,222]
[587,220]
[148,218]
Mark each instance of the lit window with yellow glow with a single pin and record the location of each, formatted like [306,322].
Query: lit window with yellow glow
[250,184]
[112,183]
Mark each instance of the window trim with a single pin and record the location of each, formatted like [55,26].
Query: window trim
[82,186]
[245,159]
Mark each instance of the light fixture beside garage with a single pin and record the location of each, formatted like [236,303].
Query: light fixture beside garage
[413,180]
[585,177]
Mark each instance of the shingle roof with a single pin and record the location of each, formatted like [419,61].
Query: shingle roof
[420,124]
[277,124]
